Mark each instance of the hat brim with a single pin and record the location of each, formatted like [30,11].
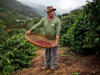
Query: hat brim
[50,10]
[54,9]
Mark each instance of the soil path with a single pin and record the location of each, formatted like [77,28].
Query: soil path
[68,63]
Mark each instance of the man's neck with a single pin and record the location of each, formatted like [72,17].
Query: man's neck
[50,18]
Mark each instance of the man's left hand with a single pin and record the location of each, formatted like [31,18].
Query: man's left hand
[57,38]
[56,43]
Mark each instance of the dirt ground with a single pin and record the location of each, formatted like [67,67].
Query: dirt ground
[68,63]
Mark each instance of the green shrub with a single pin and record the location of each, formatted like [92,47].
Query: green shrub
[67,22]
[15,53]
[67,36]
[86,34]
[3,32]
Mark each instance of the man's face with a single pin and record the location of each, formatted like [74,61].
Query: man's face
[51,13]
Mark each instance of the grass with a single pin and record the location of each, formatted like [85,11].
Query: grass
[55,74]
[65,50]
[63,55]
[75,73]
[68,61]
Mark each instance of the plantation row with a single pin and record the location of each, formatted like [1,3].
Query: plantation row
[15,50]
[83,31]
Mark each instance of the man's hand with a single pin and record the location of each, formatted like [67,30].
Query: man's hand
[57,38]
[28,32]
[56,43]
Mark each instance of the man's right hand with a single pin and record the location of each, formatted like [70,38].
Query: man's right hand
[28,32]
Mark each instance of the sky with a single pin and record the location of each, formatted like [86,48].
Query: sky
[59,4]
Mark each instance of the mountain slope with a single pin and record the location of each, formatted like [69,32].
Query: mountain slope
[18,8]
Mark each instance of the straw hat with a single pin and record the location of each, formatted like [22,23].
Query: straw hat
[50,8]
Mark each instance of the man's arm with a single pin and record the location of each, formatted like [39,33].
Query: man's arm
[35,26]
[58,27]
[57,39]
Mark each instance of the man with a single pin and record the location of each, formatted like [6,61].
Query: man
[52,26]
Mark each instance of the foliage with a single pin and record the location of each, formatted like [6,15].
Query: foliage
[76,11]
[3,32]
[67,25]
[17,31]
[15,54]
[75,73]
[67,21]
[15,50]
[67,36]
[84,34]
[13,19]
[87,33]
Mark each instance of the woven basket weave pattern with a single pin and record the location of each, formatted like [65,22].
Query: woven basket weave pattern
[40,40]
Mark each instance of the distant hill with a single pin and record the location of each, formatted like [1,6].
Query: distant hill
[18,8]
[40,9]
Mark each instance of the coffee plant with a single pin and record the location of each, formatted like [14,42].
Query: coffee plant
[15,53]
[84,34]
[3,32]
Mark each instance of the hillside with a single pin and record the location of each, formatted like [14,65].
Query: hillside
[17,7]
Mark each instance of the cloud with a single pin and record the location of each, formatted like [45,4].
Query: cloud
[58,4]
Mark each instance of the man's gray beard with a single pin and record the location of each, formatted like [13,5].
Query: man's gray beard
[50,16]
